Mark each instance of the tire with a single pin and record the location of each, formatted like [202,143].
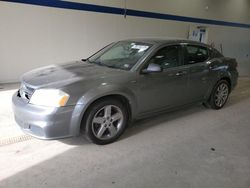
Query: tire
[219,95]
[105,121]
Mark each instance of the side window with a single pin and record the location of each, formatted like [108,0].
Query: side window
[167,57]
[196,54]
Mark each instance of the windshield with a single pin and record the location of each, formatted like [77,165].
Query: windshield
[122,55]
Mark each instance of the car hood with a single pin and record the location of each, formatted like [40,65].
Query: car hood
[57,76]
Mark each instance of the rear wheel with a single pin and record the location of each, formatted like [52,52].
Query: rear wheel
[219,95]
[105,121]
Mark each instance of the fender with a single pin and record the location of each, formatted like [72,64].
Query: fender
[94,94]
[219,72]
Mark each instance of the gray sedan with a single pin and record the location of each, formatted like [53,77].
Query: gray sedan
[124,81]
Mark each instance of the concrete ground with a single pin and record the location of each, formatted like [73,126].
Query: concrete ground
[193,147]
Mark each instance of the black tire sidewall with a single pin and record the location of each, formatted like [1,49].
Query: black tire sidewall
[212,98]
[94,108]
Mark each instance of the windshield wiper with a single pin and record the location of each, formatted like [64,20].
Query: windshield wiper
[84,59]
[99,63]
[87,60]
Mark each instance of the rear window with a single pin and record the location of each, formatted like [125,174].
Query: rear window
[215,53]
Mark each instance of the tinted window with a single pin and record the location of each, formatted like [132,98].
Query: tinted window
[167,57]
[196,54]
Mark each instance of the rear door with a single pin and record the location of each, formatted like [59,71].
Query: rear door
[197,57]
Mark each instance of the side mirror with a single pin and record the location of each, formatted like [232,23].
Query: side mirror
[152,68]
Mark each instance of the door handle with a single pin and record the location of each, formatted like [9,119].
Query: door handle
[180,73]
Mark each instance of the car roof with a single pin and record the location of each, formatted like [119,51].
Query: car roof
[161,41]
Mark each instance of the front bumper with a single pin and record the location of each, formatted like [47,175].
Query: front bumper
[43,122]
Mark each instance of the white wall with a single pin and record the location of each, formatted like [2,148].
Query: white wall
[34,36]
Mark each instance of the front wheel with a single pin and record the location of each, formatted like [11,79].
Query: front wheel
[219,95]
[105,121]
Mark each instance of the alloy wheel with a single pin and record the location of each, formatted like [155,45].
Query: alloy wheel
[107,122]
[221,94]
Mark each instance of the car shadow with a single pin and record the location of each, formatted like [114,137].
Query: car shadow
[238,95]
[76,141]
[142,125]
[157,120]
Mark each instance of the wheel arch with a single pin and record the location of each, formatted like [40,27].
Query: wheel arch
[222,75]
[123,99]
[124,95]
[227,78]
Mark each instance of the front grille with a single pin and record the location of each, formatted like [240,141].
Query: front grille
[25,92]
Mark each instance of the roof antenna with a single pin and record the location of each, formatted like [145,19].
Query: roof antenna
[125,9]
[221,48]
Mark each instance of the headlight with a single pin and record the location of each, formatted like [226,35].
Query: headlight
[49,97]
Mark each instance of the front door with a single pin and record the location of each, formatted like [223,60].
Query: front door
[167,88]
